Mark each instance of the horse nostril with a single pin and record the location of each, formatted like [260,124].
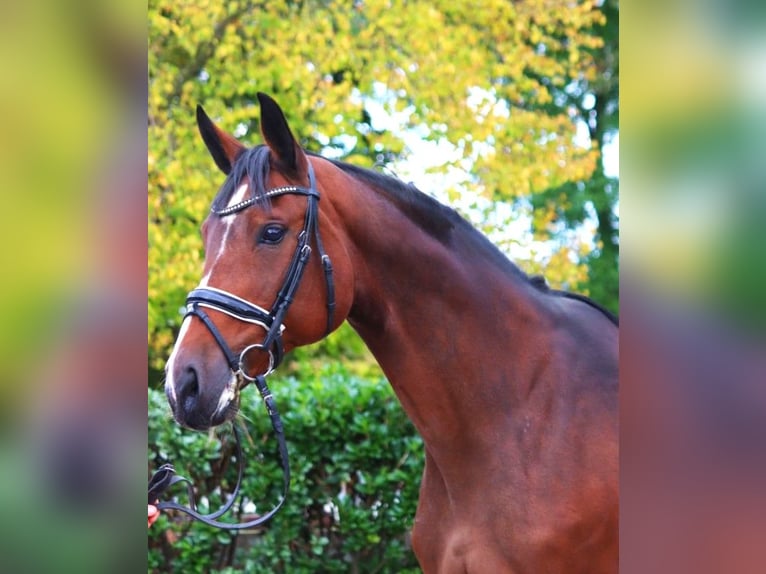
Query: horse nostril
[188,389]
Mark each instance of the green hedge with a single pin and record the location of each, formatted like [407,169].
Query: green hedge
[356,463]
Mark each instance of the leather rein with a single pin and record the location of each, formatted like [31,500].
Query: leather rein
[203,298]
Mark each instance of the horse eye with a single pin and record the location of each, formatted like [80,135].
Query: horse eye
[273,234]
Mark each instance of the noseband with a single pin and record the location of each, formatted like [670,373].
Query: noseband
[272,322]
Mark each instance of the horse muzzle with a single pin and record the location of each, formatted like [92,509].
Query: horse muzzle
[197,402]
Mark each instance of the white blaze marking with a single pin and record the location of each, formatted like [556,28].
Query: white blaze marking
[230,391]
[237,197]
[170,386]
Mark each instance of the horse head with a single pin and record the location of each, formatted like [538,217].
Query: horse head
[276,273]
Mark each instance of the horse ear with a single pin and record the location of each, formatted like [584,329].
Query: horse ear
[279,138]
[223,147]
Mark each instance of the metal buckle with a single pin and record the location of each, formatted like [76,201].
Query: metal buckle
[244,352]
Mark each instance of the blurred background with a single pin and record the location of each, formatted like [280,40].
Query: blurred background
[73,329]
[693,279]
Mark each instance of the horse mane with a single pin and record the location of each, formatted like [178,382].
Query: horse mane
[442,221]
[438,220]
[432,216]
[588,301]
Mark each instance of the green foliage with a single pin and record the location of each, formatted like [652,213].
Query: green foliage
[356,463]
[594,102]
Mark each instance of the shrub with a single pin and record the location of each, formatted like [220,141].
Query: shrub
[356,463]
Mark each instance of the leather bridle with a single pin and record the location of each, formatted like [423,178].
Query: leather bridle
[271,321]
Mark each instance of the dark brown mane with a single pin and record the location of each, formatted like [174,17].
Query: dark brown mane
[430,215]
[443,223]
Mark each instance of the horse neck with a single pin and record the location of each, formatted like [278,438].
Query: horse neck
[443,320]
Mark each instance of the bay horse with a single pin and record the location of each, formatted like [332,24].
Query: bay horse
[512,385]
